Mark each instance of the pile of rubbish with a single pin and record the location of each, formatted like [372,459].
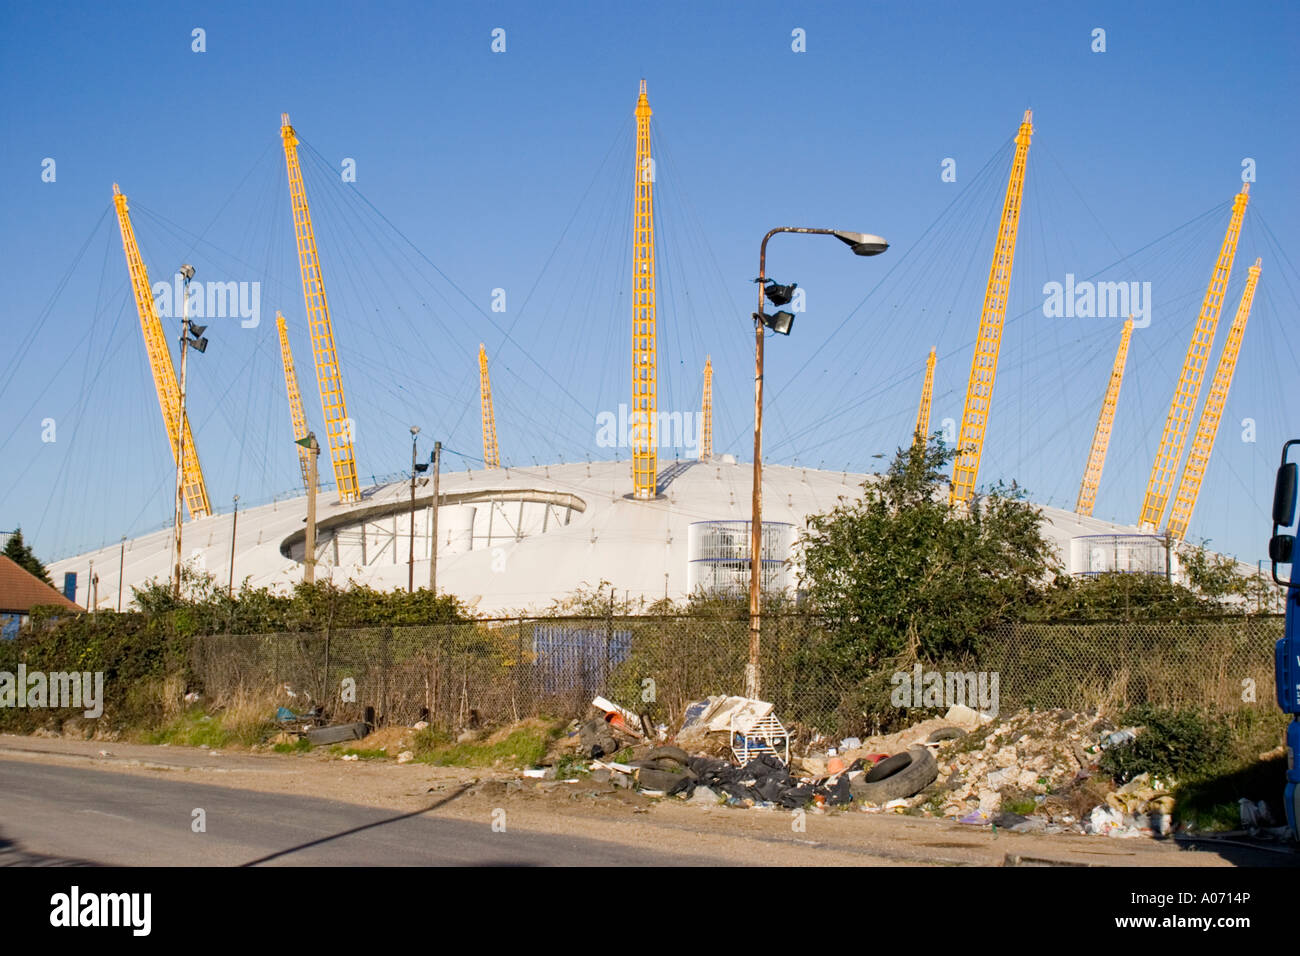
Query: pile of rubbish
[1142,807]
[1032,771]
[734,751]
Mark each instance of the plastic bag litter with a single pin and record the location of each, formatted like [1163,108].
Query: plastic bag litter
[1119,738]
[1254,814]
[1104,818]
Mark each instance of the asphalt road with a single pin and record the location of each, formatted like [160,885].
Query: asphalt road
[52,814]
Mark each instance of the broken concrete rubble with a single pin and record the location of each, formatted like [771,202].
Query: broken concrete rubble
[1031,771]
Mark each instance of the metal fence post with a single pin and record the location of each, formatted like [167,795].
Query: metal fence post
[325,687]
[609,638]
[519,664]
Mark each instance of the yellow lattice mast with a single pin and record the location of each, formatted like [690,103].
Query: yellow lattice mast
[984,364]
[1105,422]
[491,454]
[922,431]
[1188,391]
[1198,458]
[329,378]
[160,363]
[645,374]
[296,415]
[706,412]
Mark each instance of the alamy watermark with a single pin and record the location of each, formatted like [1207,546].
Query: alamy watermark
[977,690]
[74,908]
[666,430]
[211,300]
[1098,300]
[79,690]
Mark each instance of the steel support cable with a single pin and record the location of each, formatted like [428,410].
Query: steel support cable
[957,222]
[897,264]
[20,351]
[86,390]
[463,294]
[1011,320]
[559,409]
[724,305]
[936,235]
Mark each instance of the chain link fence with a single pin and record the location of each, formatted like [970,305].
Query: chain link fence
[498,671]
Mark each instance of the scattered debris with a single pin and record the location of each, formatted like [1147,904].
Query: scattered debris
[1118,738]
[1255,814]
[622,719]
[1027,772]
[336,734]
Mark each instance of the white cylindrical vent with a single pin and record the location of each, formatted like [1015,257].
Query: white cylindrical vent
[458,522]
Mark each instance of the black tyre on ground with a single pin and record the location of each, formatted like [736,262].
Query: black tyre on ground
[918,773]
[888,767]
[670,753]
[946,733]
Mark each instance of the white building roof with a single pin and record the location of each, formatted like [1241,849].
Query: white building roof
[639,547]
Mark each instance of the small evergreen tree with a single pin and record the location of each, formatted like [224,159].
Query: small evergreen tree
[18,551]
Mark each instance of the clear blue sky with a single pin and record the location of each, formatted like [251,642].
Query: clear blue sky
[513,171]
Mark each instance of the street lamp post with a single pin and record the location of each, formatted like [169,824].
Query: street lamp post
[201,344]
[862,244]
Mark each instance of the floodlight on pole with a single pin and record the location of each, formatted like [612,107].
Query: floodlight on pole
[187,273]
[780,323]
[779,294]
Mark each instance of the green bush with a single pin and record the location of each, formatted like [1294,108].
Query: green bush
[1183,744]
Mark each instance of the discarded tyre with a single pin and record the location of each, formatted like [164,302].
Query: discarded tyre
[888,767]
[946,733]
[667,764]
[670,753]
[908,777]
[651,779]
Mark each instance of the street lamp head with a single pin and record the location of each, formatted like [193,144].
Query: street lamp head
[862,243]
[187,272]
[199,345]
[415,430]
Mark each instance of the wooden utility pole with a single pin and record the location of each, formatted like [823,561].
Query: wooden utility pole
[121,565]
[309,554]
[433,550]
[234,526]
[410,558]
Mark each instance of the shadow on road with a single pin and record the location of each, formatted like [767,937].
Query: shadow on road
[367,826]
[11,854]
